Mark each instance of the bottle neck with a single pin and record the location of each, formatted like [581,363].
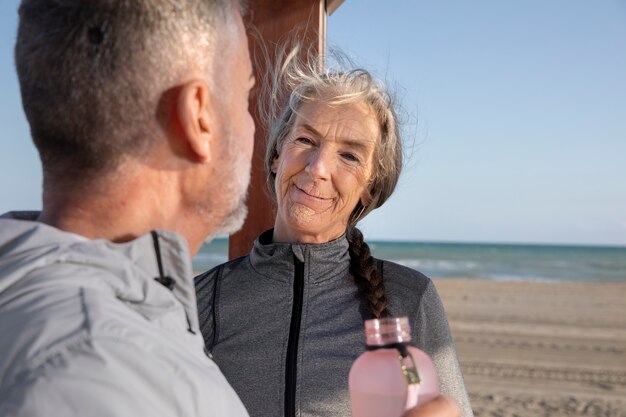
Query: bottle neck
[387,331]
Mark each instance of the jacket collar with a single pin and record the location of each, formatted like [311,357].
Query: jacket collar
[127,269]
[163,259]
[322,261]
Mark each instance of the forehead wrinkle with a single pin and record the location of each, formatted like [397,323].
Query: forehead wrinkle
[361,144]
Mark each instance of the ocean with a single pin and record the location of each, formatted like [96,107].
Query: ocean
[499,262]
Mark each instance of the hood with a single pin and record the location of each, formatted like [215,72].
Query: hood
[29,248]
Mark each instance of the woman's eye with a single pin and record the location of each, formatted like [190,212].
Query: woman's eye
[350,157]
[304,140]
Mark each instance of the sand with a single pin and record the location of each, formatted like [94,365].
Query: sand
[540,349]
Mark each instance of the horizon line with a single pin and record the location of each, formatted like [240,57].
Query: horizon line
[486,243]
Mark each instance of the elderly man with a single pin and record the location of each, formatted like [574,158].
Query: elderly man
[139,112]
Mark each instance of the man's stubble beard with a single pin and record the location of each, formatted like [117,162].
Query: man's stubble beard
[236,217]
[233,220]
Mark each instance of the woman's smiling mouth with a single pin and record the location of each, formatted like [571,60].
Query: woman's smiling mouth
[300,196]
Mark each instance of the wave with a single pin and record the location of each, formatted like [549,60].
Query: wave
[473,261]
[438,264]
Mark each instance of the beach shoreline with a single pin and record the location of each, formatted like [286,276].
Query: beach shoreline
[540,349]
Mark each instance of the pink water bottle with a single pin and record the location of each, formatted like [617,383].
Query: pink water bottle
[392,375]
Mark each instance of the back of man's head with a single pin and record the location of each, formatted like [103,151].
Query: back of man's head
[92,74]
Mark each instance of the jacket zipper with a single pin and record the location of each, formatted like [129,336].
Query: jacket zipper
[291,371]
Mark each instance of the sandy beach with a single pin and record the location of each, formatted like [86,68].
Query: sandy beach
[540,349]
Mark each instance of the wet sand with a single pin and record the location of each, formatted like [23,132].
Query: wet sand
[540,349]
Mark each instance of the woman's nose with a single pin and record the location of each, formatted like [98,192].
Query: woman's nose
[318,164]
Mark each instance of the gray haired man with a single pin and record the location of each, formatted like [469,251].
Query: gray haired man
[139,111]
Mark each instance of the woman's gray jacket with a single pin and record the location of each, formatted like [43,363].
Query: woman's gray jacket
[285,323]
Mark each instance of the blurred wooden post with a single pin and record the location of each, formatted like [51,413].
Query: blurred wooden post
[272,20]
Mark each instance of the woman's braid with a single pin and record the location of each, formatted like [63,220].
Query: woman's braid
[366,275]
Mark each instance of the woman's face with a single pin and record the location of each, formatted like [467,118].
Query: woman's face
[322,171]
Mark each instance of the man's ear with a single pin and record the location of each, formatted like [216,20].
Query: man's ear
[196,112]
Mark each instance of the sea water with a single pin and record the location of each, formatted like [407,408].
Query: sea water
[505,262]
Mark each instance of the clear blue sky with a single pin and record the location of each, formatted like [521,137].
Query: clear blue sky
[516,111]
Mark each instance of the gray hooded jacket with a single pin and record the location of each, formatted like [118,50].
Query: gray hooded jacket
[285,324]
[86,330]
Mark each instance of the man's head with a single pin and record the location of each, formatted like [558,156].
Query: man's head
[105,81]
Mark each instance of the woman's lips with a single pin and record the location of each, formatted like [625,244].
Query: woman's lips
[311,195]
[302,197]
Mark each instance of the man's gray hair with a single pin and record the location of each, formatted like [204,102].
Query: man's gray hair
[92,73]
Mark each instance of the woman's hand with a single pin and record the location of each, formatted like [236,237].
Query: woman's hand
[439,407]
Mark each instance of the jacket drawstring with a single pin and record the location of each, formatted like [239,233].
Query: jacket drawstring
[163,279]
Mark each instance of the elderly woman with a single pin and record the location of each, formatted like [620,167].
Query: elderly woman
[285,322]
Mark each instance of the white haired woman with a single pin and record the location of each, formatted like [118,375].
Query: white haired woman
[285,322]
